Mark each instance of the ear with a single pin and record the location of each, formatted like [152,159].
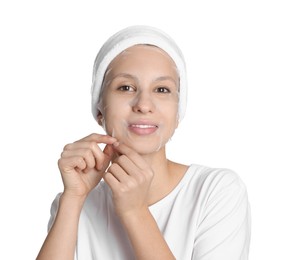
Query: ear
[100,118]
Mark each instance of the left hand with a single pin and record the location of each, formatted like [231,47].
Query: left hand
[129,178]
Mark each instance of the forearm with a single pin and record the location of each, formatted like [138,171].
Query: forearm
[145,236]
[60,242]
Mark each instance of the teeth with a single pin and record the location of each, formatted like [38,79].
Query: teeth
[144,126]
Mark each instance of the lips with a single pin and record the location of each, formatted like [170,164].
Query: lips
[143,128]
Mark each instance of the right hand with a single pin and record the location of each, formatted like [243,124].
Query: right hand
[83,163]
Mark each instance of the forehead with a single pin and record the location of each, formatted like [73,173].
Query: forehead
[145,48]
[142,54]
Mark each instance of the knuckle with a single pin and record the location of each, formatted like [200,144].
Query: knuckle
[128,186]
[87,153]
[80,161]
[141,178]
[123,189]
[60,162]
[67,147]
[131,184]
[150,173]
[93,136]
[113,167]
[93,145]
[121,158]
[63,154]
[129,153]
[146,175]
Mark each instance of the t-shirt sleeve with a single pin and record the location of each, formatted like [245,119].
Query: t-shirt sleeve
[223,231]
[53,211]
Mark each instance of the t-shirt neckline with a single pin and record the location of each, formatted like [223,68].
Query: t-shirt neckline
[172,194]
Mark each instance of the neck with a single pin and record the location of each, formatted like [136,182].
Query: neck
[167,175]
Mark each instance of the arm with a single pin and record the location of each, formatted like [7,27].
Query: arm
[129,178]
[82,165]
[60,242]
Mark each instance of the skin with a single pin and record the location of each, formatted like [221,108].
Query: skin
[140,88]
[143,94]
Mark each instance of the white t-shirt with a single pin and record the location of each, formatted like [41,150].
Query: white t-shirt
[206,217]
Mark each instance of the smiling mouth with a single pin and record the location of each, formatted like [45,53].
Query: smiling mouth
[144,126]
[142,129]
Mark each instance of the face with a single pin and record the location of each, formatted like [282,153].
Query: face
[139,100]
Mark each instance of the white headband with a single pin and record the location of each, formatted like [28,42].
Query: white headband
[126,38]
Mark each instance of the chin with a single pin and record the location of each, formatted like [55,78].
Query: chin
[146,151]
[145,147]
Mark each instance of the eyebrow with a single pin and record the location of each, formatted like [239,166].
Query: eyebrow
[124,75]
[130,76]
[162,78]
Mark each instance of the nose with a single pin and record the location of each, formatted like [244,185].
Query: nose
[143,103]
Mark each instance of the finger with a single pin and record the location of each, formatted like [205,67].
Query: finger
[83,146]
[112,182]
[127,165]
[67,165]
[87,155]
[109,153]
[103,163]
[118,173]
[89,149]
[98,138]
[133,163]
[131,154]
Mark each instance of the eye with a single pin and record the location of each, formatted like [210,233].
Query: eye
[163,90]
[126,88]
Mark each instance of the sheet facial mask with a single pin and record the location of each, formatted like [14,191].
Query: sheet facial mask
[140,97]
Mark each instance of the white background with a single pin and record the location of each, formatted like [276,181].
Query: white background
[241,63]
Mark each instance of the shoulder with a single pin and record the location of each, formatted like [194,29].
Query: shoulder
[223,225]
[212,184]
[215,178]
